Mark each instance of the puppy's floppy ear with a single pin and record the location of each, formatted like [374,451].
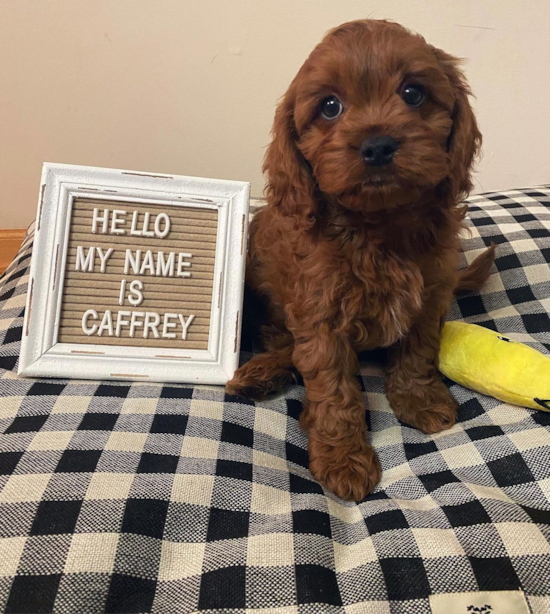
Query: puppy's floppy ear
[290,185]
[465,138]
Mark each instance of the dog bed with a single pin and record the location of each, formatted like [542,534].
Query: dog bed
[132,497]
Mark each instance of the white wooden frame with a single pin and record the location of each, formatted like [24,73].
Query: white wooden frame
[43,356]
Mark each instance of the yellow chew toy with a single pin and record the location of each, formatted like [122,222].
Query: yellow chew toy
[490,363]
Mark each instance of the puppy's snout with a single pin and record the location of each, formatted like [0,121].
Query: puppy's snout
[378,150]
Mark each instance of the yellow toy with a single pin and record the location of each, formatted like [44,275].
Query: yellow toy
[490,363]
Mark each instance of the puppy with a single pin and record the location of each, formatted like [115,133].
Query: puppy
[358,246]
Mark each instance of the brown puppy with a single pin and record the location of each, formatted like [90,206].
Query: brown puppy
[358,247]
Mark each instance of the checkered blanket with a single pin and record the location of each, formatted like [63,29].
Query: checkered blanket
[119,497]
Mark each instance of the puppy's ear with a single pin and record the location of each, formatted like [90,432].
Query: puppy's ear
[290,185]
[464,142]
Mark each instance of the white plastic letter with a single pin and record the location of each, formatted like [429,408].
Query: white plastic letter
[165,267]
[167,324]
[185,325]
[104,257]
[117,221]
[131,261]
[122,292]
[145,232]
[134,322]
[133,230]
[162,217]
[120,321]
[85,328]
[148,263]
[104,219]
[136,294]
[182,263]
[152,321]
[85,263]
[106,324]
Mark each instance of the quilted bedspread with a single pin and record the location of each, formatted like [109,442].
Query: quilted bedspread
[134,497]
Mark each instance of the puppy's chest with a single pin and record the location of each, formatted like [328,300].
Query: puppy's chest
[389,288]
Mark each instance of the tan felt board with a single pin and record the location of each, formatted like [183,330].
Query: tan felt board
[192,231]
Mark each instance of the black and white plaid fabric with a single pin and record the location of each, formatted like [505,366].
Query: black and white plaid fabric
[120,497]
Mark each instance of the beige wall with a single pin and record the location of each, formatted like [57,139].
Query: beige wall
[189,86]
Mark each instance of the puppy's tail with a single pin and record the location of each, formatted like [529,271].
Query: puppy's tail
[473,277]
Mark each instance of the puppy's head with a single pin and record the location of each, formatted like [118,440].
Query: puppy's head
[373,118]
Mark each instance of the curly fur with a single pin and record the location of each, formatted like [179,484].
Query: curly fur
[348,258]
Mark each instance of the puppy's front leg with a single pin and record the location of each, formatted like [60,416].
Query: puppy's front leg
[334,414]
[414,386]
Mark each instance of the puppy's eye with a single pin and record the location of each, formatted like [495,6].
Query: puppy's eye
[331,108]
[413,94]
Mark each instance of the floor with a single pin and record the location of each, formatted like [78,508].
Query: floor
[10,241]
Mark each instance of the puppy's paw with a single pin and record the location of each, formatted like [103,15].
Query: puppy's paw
[436,419]
[430,408]
[350,476]
[245,385]
[258,378]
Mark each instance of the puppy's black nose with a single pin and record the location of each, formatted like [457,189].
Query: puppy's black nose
[378,150]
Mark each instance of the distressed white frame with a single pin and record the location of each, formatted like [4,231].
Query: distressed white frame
[43,356]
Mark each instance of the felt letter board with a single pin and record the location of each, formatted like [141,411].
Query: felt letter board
[135,276]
